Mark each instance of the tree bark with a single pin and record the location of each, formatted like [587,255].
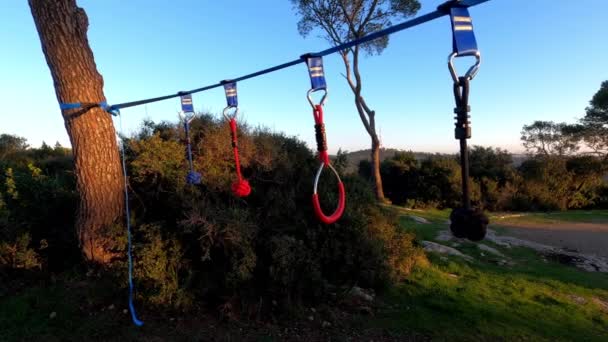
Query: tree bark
[367,116]
[376,169]
[62,27]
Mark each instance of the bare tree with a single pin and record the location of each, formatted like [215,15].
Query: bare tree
[62,27]
[344,20]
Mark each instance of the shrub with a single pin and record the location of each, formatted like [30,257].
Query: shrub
[202,243]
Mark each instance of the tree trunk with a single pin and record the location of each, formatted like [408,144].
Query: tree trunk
[62,27]
[376,169]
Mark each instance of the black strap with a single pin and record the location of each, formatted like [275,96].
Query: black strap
[321,137]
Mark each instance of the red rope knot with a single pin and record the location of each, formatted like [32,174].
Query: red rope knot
[241,188]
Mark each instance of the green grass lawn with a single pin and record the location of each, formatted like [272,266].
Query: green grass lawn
[529,299]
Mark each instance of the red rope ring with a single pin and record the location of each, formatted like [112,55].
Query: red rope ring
[324,158]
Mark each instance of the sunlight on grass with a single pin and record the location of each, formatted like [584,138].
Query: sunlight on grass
[457,301]
[530,298]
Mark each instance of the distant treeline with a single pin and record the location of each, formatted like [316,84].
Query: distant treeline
[541,182]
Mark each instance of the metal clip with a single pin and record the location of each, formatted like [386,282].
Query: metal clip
[470,74]
[230,116]
[309,95]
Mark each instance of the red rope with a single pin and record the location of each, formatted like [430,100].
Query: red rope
[324,158]
[240,187]
[339,210]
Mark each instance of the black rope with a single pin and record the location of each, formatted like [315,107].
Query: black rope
[321,137]
[440,12]
[463,132]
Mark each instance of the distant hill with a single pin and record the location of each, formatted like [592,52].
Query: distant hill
[355,157]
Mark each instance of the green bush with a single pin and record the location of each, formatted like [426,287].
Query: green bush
[202,244]
[37,205]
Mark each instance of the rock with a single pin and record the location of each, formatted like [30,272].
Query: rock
[446,235]
[325,324]
[489,249]
[53,315]
[441,249]
[360,293]
[313,310]
[505,263]
[125,311]
[419,219]
[311,318]
[601,303]
[111,307]
[578,299]
[587,262]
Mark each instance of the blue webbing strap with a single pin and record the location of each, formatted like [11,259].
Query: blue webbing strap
[187,106]
[231,96]
[463,37]
[440,12]
[77,105]
[193,177]
[136,321]
[315,70]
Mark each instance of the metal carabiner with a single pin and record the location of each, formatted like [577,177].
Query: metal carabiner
[309,96]
[187,117]
[341,201]
[233,115]
[472,70]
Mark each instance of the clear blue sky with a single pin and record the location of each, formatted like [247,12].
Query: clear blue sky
[542,59]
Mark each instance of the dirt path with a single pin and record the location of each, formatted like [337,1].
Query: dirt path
[587,238]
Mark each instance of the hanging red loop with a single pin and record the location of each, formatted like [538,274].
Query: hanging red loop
[240,187]
[341,199]
[325,162]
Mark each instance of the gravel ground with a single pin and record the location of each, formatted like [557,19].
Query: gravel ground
[586,238]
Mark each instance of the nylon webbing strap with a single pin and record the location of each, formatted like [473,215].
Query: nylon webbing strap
[78,105]
[231,98]
[317,75]
[463,38]
[187,106]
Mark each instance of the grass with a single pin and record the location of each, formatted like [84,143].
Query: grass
[529,299]
[454,301]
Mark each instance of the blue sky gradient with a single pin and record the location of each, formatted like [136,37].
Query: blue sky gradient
[542,60]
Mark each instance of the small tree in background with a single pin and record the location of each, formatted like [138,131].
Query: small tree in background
[593,128]
[10,144]
[344,20]
[548,138]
